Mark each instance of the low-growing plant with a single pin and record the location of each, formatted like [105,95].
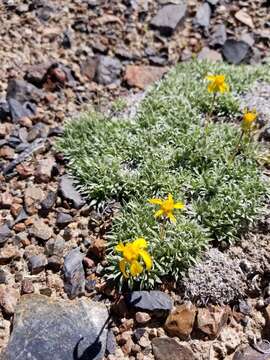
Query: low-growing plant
[166,150]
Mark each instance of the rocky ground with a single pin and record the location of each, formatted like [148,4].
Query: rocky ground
[57,59]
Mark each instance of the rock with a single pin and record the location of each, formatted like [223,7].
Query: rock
[32,198]
[111,343]
[98,247]
[4,111]
[68,192]
[248,38]
[142,76]
[74,273]
[265,135]
[62,330]
[19,111]
[37,263]
[210,55]
[213,2]
[180,321]
[5,233]
[244,18]
[63,219]
[8,253]
[41,230]
[203,15]
[22,216]
[3,277]
[89,68]
[231,338]
[142,317]
[8,299]
[219,35]
[48,203]
[35,74]
[169,18]
[39,130]
[55,263]
[235,51]
[211,320]
[244,307]
[149,300]
[44,169]
[250,353]
[169,349]
[27,287]
[108,70]
[55,246]
[23,91]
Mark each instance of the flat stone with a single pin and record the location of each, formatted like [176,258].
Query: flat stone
[250,353]
[235,51]
[244,18]
[141,76]
[23,91]
[20,111]
[203,15]
[169,349]
[74,273]
[41,230]
[181,320]
[68,192]
[149,300]
[169,18]
[48,203]
[8,253]
[46,329]
[55,246]
[32,198]
[5,233]
[209,54]
[108,70]
[8,299]
[63,219]
[219,35]
[37,263]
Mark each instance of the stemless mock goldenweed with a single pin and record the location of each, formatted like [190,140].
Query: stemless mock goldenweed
[249,117]
[167,207]
[132,253]
[217,84]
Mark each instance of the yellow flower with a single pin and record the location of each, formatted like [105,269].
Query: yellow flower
[248,119]
[217,84]
[166,207]
[132,253]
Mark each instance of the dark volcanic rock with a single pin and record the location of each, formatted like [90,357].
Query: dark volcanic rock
[168,18]
[108,70]
[203,15]
[250,353]
[149,300]
[23,91]
[19,111]
[48,203]
[170,349]
[5,232]
[4,111]
[37,263]
[74,273]
[235,51]
[63,219]
[68,192]
[46,329]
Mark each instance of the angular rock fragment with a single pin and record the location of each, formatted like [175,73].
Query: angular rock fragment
[149,300]
[203,15]
[74,273]
[108,70]
[168,18]
[64,330]
[235,51]
[169,349]
[68,192]
[142,76]
[180,321]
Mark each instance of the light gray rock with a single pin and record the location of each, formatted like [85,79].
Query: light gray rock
[203,15]
[46,329]
[68,192]
[5,232]
[108,70]
[168,18]
[219,35]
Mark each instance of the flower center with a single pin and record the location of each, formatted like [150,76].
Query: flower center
[167,206]
[130,253]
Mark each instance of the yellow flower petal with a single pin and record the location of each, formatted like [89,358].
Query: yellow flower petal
[155,201]
[146,258]
[171,217]
[122,267]
[170,198]
[136,268]
[120,247]
[179,205]
[159,213]
[210,77]
[140,243]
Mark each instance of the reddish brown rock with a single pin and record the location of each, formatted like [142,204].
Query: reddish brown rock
[8,299]
[143,76]
[180,321]
[210,320]
[7,253]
